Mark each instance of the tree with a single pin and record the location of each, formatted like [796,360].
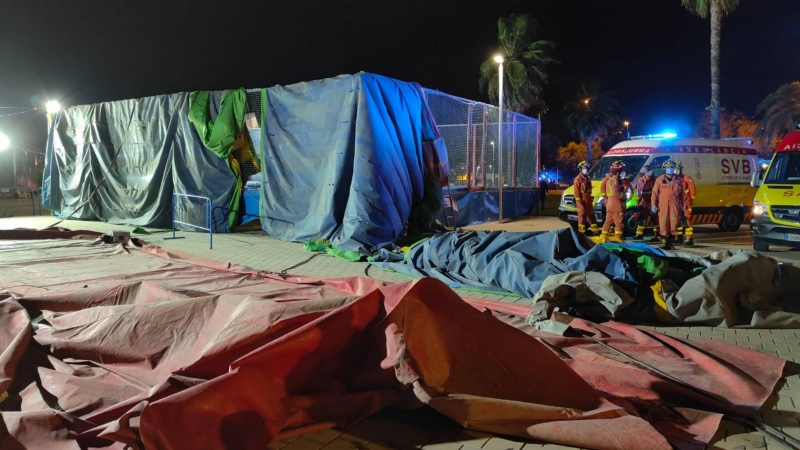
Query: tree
[736,125]
[526,60]
[780,112]
[592,115]
[715,9]
[571,154]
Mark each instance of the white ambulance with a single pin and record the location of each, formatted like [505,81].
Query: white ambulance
[721,170]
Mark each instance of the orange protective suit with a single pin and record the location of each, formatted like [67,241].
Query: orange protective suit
[689,193]
[644,190]
[583,201]
[668,198]
[613,191]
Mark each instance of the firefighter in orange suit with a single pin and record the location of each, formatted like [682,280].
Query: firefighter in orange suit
[689,193]
[583,199]
[667,201]
[644,192]
[613,191]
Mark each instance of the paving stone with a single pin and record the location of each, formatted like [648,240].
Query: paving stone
[472,439]
[498,443]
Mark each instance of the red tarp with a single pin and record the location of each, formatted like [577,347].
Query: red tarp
[136,345]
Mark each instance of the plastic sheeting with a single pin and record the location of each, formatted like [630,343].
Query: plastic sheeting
[342,160]
[475,207]
[632,282]
[500,261]
[159,153]
[200,354]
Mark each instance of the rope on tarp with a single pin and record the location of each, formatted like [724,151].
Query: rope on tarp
[286,270]
[779,435]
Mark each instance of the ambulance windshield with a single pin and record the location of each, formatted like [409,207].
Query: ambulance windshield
[633,164]
[785,169]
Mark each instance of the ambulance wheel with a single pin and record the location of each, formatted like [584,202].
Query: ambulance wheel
[760,246]
[732,220]
[630,224]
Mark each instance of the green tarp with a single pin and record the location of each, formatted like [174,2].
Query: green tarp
[219,135]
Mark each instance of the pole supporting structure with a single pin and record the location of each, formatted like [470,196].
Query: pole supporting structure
[500,149]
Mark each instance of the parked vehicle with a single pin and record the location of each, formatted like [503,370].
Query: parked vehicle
[722,170]
[776,208]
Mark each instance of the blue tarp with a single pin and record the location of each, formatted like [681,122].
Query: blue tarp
[342,159]
[502,261]
[160,153]
[477,207]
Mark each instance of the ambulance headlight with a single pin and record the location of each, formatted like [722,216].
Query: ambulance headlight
[759,208]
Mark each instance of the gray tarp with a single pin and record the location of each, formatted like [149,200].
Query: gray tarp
[160,154]
[747,289]
[584,294]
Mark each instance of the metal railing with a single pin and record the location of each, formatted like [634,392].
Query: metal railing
[14,197]
[186,208]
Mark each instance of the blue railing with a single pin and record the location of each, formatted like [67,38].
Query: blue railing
[186,208]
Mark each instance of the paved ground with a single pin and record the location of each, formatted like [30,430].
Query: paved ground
[423,429]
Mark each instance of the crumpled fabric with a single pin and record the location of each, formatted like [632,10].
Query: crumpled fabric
[503,262]
[746,289]
[136,347]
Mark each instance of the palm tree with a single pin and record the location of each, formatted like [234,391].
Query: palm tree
[715,9]
[526,60]
[592,115]
[780,112]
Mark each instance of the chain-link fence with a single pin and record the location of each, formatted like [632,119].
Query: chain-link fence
[471,132]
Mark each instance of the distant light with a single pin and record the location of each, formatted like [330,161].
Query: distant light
[5,142]
[499,59]
[53,107]
[586,102]
[668,135]
[626,123]
[764,165]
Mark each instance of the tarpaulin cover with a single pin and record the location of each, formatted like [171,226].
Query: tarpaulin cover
[342,159]
[632,282]
[142,345]
[159,153]
[500,261]
[481,206]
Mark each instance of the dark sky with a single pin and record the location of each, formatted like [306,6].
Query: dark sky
[652,52]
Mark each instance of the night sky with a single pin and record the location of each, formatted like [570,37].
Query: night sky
[653,52]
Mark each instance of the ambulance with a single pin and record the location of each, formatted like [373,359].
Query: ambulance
[722,170]
[776,208]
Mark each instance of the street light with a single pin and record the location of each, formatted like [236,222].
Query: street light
[627,128]
[586,102]
[53,107]
[499,60]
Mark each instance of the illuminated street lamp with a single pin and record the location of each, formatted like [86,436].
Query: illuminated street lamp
[499,60]
[53,107]
[5,144]
[627,128]
[586,102]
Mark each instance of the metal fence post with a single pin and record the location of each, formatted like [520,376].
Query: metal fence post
[208,223]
